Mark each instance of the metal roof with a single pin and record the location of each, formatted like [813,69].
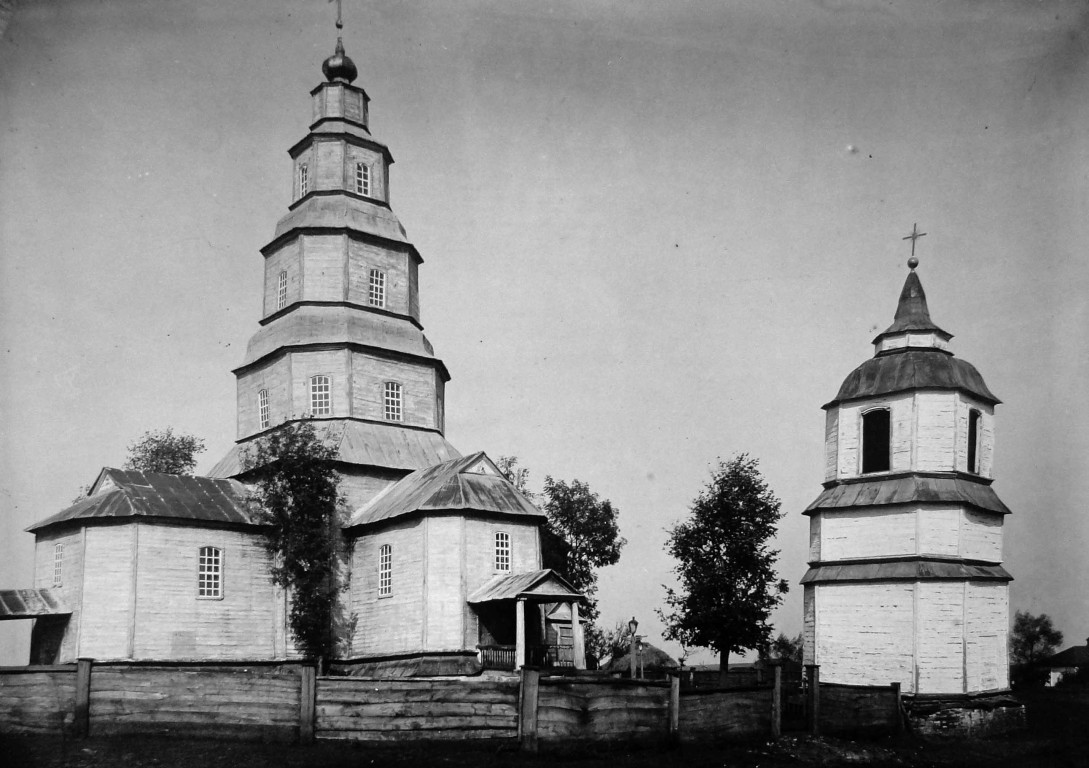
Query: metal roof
[366,443]
[1078,656]
[471,483]
[909,489]
[910,368]
[342,211]
[120,493]
[545,584]
[28,603]
[905,570]
[912,313]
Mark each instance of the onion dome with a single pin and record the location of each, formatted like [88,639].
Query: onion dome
[338,68]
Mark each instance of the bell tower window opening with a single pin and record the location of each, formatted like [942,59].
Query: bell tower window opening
[304,179]
[376,296]
[385,570]
[502,551]
[974,421]
[58,564]
[876,440]
[363,179]
[210,573]
[262,408]
[281,291]
[392,400]
[320,396]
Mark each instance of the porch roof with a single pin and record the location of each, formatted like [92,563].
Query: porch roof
[544,585]
[29,603]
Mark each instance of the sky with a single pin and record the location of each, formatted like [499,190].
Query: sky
[655,234]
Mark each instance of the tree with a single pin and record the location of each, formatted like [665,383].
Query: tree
[297,499]
[728,584]
[783,647]
[518,476]
[1033,638]
[609,644]
[588,534]
[160,450]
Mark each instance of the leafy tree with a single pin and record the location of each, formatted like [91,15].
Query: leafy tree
[160,450]
[1033,638]
[588,534]
[783,647]
[518,476]
[725,565]
[609,644]
[297,499]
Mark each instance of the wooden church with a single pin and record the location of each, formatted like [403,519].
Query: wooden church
[905,581]
[442,555]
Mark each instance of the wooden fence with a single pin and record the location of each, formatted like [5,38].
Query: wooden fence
[288,701]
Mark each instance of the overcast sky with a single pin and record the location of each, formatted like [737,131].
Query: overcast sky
[654,234]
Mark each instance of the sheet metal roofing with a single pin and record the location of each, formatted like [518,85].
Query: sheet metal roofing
[343,212]
[471,484]
[912,368]
[909,489]
[120,493]
[905,570]
[545,584]
[366,443]
[912,313]
[28,603]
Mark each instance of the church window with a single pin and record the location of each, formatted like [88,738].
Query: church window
[58,563]
[363,179]
[974,421]
[385,570]
[392,399]
[304,179]
[502,551]
[210,573]
[262,408]
[281,291]
[876,442]
[377,295]
[320,396]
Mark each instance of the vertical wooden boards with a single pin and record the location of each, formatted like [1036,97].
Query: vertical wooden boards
[528,701]
[83,697]
[307,694]
[777,704]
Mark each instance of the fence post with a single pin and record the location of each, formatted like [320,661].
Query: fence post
[675,708]
[307,693]
[777,704]
[898,703]
[527,710]
[814,708]
[83,697]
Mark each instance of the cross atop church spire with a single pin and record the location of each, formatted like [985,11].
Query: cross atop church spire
[915,235]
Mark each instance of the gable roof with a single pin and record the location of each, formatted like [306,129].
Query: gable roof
[545,584]
[1078,656]
[470,484]
[121,493]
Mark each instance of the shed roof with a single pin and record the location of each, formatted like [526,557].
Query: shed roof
[28,603]
[367,443]
[909,368]
[545,584]
[909,489]
[121,493]
[471,483]
[905,570]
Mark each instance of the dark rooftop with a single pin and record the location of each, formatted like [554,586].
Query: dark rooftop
[902,370]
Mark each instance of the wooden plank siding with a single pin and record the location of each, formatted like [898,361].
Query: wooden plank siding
[369,376]
[37,700]
[602,710]
[363,257]
[720,714]
[71,587]
[388,710]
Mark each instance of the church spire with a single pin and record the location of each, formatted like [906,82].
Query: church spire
[912,314]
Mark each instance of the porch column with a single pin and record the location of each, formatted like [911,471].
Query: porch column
[576,633]
[519,633]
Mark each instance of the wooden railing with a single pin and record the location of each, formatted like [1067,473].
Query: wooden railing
[544,656]
[497,656]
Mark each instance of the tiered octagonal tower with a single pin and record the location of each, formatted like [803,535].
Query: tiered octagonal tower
[905,581]
[340,338]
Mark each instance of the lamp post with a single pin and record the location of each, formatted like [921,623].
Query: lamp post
[633,625]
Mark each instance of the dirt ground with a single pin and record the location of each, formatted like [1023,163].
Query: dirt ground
[1058,737]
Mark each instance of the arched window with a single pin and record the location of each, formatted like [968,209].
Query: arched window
[321,399]
[376,296]
[304,179]
[876,440]
[210,573]
[502,551]
[974,422]
[392,399]
[385,570]
[281,291]
[363,179]
[262,408]
[58,564]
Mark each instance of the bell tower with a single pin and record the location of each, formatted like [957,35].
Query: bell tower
[340,339]
[905,582]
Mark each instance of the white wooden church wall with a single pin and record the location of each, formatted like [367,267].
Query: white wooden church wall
[287,258]
[936,431]
[867,532]
[939,530]
[376,163]
[390,624]
[981,536]
[362,258]
[369,377]
[940,636]
[444,583]
[323,267]
[331,164]
[71,586]
[831,443]
[849,436]
[988,617]
[335,100]
[305,365]
[273,376]
[108,591]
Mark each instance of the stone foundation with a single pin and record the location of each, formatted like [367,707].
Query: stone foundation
[965,716]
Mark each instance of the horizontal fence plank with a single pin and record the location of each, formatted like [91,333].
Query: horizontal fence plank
[466,734]
[37,701]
